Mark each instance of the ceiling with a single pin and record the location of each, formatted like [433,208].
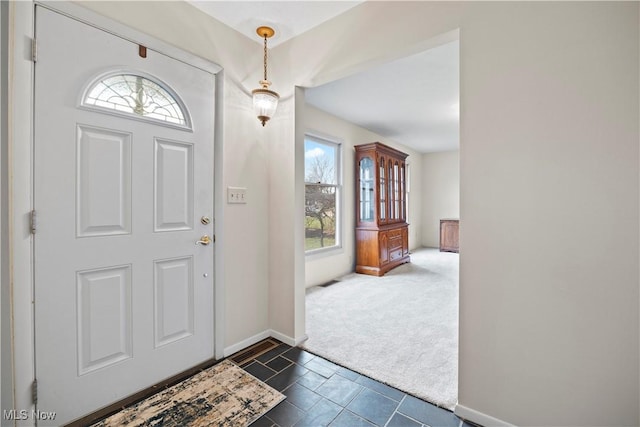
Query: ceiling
[287,18]
[413,101]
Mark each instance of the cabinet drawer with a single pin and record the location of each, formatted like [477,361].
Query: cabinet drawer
[395,254]
[393,234]
[395,243]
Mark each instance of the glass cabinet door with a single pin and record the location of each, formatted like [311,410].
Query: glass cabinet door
[383,191]
[403,193]
[396,191]
[366,177]
[392,213]
[381,186]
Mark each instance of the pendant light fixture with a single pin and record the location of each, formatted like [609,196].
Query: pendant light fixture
[265,101]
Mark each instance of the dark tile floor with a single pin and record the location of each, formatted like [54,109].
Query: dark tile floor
[321,393]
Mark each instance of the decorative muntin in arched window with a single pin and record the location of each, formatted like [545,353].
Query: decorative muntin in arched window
[136,95]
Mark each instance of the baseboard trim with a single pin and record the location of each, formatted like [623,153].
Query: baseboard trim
[228,351]
[287,339]
[232,349]
[302,339]
[479,418]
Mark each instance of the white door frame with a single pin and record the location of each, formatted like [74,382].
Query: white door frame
[18,311]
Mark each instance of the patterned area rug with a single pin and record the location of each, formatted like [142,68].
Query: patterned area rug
[223,395]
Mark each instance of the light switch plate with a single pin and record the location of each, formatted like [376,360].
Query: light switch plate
[236,195]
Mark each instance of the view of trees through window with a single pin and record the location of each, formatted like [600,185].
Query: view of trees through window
[321,194]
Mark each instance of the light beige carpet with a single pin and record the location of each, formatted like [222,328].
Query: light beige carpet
[401,329]
[223,395]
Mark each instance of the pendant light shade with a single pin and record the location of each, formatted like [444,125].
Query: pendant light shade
[265,101]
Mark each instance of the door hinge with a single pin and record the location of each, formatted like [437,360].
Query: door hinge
[34,50]
[34,391]
[33,222]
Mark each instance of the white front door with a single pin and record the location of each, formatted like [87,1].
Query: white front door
[123,193]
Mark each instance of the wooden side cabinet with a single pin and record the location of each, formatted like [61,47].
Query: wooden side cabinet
[382,232]
[449,235]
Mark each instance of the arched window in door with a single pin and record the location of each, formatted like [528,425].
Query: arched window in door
[136,95]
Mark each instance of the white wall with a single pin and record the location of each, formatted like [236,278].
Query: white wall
[282,210]
[323,267]
[440,193]
[246,266]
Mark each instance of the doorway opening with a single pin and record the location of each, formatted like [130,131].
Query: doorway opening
[407,320]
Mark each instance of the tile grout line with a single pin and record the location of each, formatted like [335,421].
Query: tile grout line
[407,416]
[290,358]
[395,411]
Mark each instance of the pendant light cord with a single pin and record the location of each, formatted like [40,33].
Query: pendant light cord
[265,58]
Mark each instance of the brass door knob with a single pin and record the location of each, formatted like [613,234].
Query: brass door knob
[204,240]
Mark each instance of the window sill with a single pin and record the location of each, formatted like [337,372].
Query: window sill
[323,253]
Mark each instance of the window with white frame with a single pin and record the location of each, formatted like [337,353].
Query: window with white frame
[322,193]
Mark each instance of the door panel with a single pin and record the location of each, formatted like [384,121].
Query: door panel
[103,167]
[123,294]
[104,317]
[173,298]
[173,207]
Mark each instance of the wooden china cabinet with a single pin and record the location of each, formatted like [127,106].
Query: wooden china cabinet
[382,232]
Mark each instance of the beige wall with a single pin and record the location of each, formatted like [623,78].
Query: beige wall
[323,267]
[549,202]
[440,193]
[549,178]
